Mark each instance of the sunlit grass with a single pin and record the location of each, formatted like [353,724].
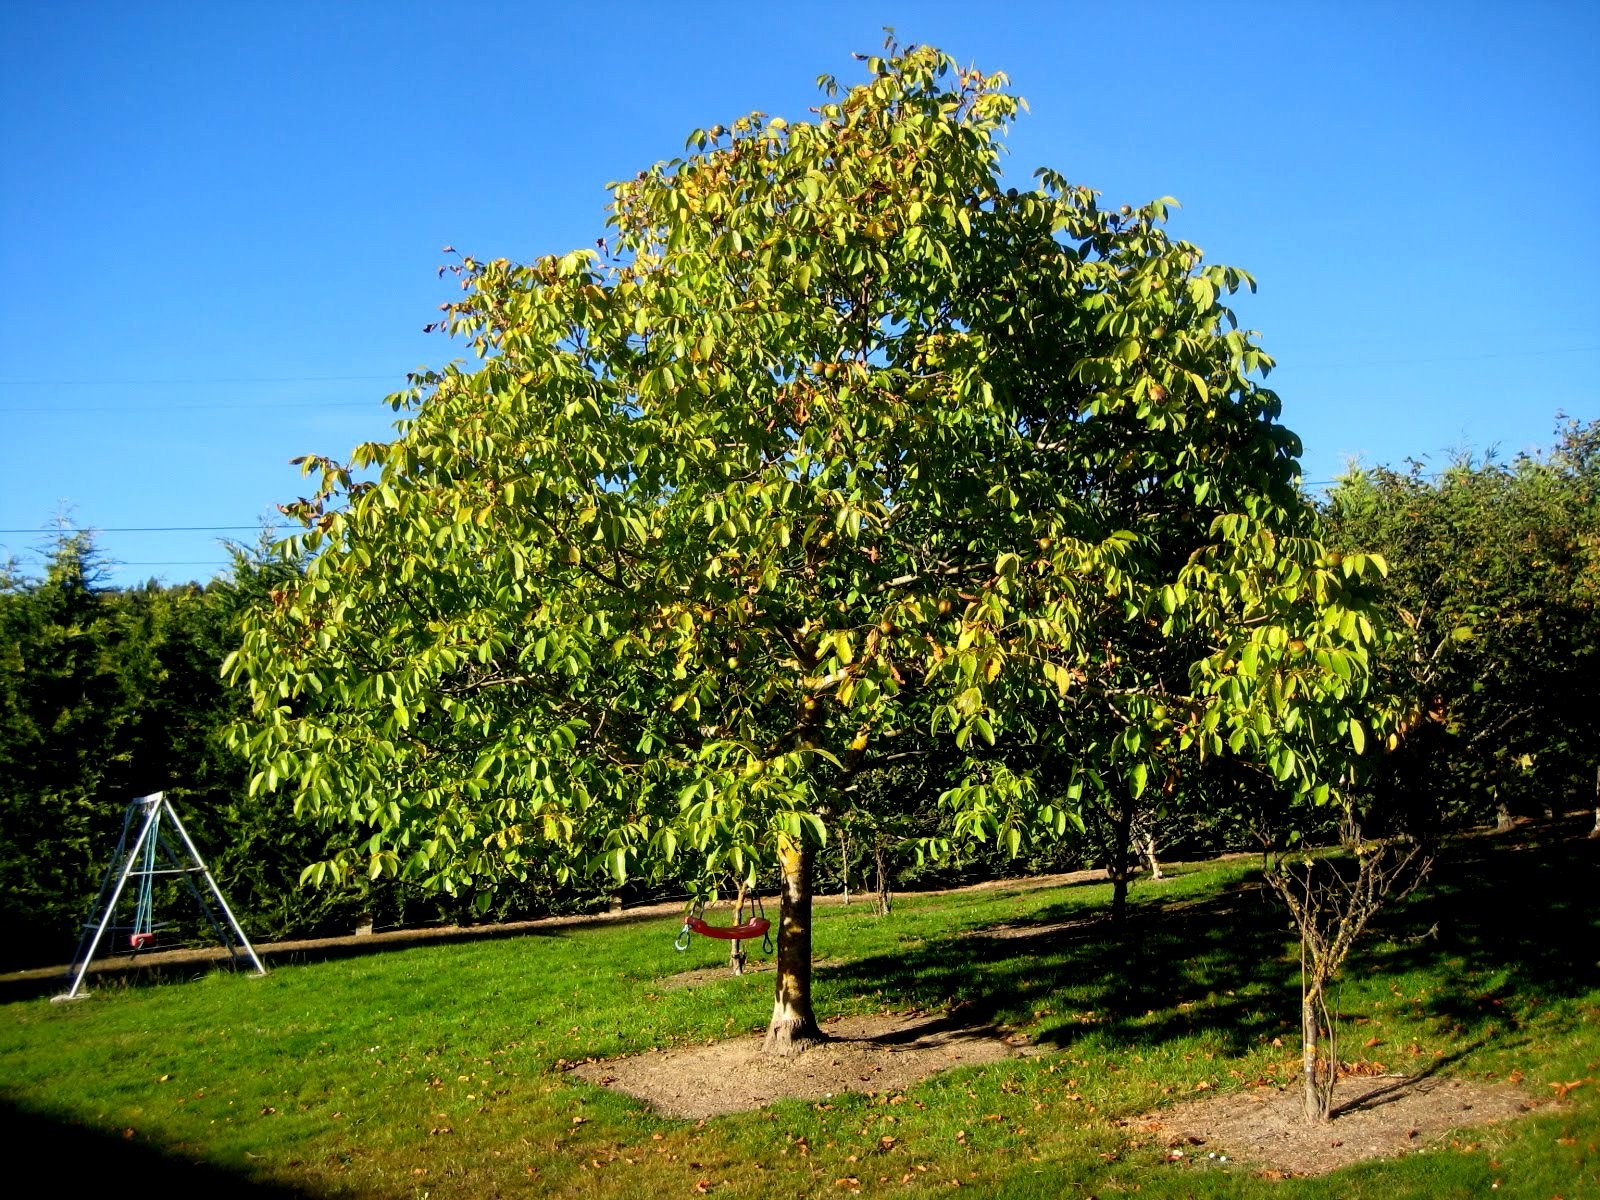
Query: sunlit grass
[438,1070]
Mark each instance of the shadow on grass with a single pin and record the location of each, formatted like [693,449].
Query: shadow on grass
[1517,917]
[77,1160]
[179,966]
[1129,982]
[1523,911]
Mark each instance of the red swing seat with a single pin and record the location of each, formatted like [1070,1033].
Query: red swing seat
[757,927]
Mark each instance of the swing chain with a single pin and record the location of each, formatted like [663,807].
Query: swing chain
[766,937]
[759,909]
[697,909]
[684,934]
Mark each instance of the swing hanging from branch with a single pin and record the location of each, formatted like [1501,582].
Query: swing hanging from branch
[740,931]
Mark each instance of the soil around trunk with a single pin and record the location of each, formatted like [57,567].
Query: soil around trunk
[708,976]
[1374,1117]
[887,1052]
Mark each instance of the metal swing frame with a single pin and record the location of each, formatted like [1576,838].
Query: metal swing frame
[151,847]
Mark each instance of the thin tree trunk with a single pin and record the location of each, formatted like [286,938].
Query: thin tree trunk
[844,865]
[885,896]
[793,1027]
[1117,867]
[1317,1098]
[1148,845]
[1595,832]
[736,955]
[1317,1088]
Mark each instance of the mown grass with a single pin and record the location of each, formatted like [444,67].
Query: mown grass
[437,1071]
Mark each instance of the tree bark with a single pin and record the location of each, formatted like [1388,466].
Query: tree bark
[1595,832]
[736,954]
[1318,1094]
[1117,866]
[1148,845]
[793,1027]
[886,897]
[844,865]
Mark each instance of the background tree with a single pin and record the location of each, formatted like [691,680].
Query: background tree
[1494,602]
[838,437]
[1331,899]
[105,694]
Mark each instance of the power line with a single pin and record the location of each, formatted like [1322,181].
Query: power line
[203,406]
[197,379]
[150,529]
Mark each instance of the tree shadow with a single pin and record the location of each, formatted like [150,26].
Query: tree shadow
[81,1159]
[1136,982]
[1390,1093]
[1223,965]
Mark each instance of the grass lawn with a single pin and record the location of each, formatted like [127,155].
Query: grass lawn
[437,1071]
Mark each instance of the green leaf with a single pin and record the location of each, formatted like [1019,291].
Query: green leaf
[1138,777]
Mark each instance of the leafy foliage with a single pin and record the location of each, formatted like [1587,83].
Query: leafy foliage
[835,438]
[1495,603]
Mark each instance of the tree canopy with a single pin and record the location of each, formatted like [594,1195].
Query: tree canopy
[1494,606]
[835,436]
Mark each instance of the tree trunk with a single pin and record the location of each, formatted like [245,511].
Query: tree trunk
[886,897]
[1595,832]
[793,1027]
[736,955]
[1318,1095]
[1117,866]
[844,865]
[1148,845]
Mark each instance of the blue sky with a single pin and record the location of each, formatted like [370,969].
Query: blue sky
[220,224]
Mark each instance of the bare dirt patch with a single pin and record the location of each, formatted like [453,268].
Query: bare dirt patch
[1375,1117]
[705,976]
[884,1053]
